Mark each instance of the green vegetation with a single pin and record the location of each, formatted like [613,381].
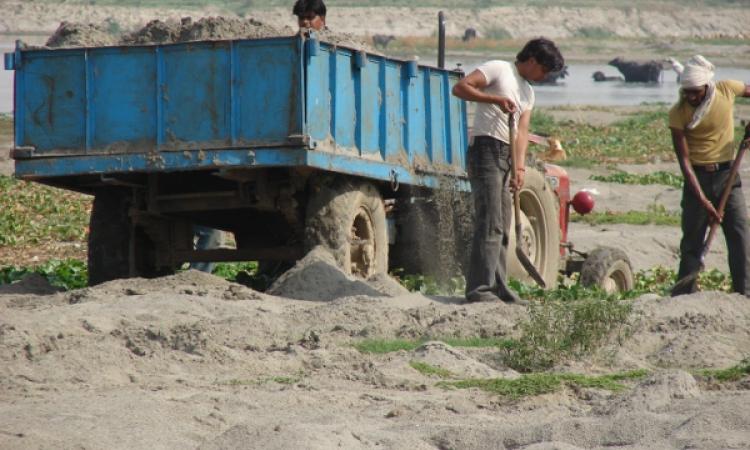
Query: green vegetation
[68,274]
[382,346]
[34,214]
[636,139]
[430,285]
[660,177]
[655,215]
[734,373]
[230,271]
[430,371]
[544,383]
[562,329]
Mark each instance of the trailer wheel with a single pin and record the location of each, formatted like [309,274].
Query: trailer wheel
[111,232]
[348,218]
[540,229]
[109,226]
[609,268]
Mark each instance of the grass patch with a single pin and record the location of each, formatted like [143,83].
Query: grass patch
[429,370]
[68,274]
[382,346]
[32,214]
[660,177]
[635,139]
[734,373]
[656,215]
[545,383]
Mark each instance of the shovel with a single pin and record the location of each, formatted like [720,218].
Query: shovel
[520,251]
[685,284]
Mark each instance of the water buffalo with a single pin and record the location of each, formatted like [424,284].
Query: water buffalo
[552,77]
[469,35]
[648,72]
[599,76]
[382,40]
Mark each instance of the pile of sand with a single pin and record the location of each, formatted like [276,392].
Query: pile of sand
[206,28]
[318,277]
[71,34]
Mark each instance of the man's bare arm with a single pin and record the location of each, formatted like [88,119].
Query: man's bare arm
[681,149]
[470,88]
[522,144]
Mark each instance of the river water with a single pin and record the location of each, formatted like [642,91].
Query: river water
[578,88]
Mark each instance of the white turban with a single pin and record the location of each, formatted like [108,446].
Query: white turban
[698,72]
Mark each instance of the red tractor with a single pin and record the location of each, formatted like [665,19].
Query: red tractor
[546,202]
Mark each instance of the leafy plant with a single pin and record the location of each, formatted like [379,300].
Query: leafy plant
[656,215]
[31,214]
[67,274]
[561,329]
[430,285]
[660,177]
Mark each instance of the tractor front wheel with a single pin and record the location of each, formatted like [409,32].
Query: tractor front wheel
[608,268]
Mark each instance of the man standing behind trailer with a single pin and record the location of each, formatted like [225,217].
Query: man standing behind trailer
[702,127]
[310,14]
[499,88]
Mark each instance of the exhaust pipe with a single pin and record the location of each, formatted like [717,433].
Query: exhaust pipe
[441,40]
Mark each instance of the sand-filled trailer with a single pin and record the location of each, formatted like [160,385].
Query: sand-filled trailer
[288,142]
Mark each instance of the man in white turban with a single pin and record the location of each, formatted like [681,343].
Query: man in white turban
[702,126]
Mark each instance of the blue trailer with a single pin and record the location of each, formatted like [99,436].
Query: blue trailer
[287,142]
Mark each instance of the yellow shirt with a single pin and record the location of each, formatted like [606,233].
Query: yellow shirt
[712,140]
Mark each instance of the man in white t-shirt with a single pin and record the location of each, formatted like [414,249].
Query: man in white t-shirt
[499,88]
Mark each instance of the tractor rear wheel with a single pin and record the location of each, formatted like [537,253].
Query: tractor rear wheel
[540,230]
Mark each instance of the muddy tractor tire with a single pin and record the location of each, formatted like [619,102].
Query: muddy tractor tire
[348,218]
[114,241]
[540,230]
[608,268]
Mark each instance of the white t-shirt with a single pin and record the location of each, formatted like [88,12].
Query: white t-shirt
[503,80]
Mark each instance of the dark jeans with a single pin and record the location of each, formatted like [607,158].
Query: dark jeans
[488,167]
[734,226]
[207,239]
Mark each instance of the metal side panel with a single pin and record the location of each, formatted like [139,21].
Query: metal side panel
[125,99]
[52,96]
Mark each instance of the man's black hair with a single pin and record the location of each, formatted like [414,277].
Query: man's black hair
[304,6]
[545,52]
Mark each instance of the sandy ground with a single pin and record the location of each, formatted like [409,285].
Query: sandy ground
[193,361]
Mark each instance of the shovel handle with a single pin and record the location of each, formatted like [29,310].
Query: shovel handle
[725,195]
